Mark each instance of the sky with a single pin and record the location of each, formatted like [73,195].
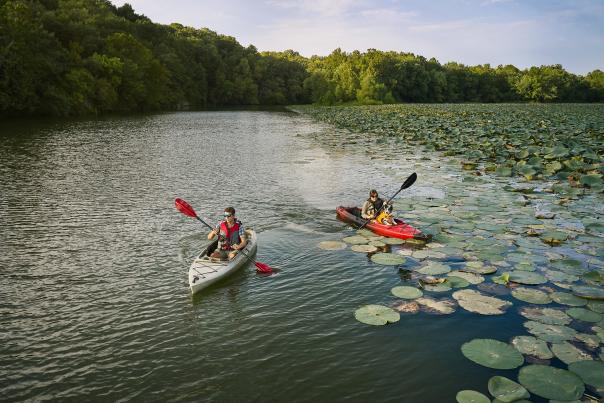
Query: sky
[524,33]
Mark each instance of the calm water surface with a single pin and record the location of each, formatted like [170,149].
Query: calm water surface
[94,301]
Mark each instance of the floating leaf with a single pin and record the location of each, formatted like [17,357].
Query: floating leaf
[332,245]
[549,316]
[471,396]
[506,390]
[474,301]
[530,345]
[591,372]
[356,240]
[551,333]
[588,292]
[365,233]
[434,269]
[457,282]
[492,354]
[553,238]
[565,298]
[567,353]
[471,278]
[443,306]
[406,292]
[526,277]
[596,306]
[531,295]
[388,259]
[376,315]
[364,248]
[393,241]
[584,314]
[551,383]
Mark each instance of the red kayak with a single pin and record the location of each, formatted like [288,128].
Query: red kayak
[401,230]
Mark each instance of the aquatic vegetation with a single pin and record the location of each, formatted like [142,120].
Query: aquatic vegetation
[406,292]
[492,354]
[471,396]
[376,315]
[551,383]
[591,372]
[506,390]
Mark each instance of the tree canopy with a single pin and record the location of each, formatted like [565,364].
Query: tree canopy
[75,57]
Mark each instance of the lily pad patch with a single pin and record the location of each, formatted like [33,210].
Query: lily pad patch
[506,390]
[591,372]
[533,346]
[471,396]
[406,292]
[567,353]
[551,383]
[388,259]
[474,301]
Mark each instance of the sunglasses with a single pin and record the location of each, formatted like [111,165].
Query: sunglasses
[373,196]
[228,214]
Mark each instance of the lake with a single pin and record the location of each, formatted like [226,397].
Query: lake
[94,298]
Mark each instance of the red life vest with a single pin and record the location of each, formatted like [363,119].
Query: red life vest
[231,235]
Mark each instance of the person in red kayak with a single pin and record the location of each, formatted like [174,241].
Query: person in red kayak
[374,209]
[231,236]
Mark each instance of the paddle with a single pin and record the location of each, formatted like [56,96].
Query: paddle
[408,182]
[187,210]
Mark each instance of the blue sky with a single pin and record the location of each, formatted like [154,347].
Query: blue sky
[520,32]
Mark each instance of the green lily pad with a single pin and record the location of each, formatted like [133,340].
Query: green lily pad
[471,278]
[506,390]
[492,354]
[376,315]
[393,241]
[377,244]
[551,383]
[474,301]
[531,295]
[591,340]
[596,306]
[434,269]
[356,240]
[364,248]
[530,345]
[591,372]
[406,292]
[584,314]
[332,245]
[457,282]
[471,396]
[442,287]
[588,292]
[388,259]
[591,180]
[526,277]
[566,298]
[567,353]
[548,316]
[558,276]
[365,233]
[551,333]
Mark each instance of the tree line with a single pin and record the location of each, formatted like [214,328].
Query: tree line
[77,57]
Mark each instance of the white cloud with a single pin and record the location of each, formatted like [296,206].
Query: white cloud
[318,7]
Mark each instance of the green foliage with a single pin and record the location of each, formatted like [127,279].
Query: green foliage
[73,57]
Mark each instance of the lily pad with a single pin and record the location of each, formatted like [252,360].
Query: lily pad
[443,306]
[377,244]
[474,301]
[434,269]
[356,240]
[471,278]
[584,314]
[506,390]
[393,241]
[533,346]
[388,259]
[332,245]
[492,354]
[531,295]
[548,316]
[567,353]
[566,298]
[526,277]
[365,233]
[596,306]
[591,340]
[376,315]
[551,333]
[591,372]
[406,292]
[588,292]
[551,383]
[553,238]
[364,248]
[471,396]
[457,282]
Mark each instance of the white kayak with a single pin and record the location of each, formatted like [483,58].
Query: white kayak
[205,270]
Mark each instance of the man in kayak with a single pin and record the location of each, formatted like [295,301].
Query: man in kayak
[374,209]
[231,234]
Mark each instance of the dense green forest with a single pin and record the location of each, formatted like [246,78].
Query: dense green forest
[74,57]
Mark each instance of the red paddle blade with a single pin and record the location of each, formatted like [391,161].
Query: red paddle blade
[263,267]
[185,208]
